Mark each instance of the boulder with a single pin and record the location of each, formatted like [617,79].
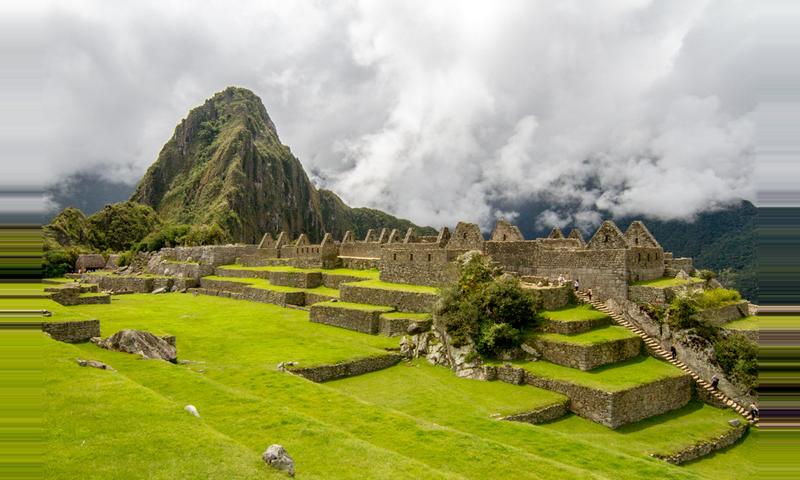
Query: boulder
[734,423]
[139,342]
[93,364]
[277,457]
[682,275]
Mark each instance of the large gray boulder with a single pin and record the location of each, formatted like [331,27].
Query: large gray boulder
[141,343]
[277,457]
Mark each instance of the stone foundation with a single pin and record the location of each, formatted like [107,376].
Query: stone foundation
[722,315]
[326,373]
[72,332]
[364,321]
[587,357]
[542,415]
[573,327]
[402,301]
[701,449]
[551,297]
[296,279]
[333,280]
[359,263]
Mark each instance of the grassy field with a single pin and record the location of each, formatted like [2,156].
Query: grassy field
[593,337]
[746,323]
[409,421]
[574,314]
[611,378]
[665,282]
[266,285]
[402,287]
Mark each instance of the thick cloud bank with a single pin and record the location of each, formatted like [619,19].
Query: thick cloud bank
[435,111]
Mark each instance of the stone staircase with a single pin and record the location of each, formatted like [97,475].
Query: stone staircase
[656,348]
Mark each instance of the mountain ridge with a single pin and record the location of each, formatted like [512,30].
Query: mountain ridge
[226,165]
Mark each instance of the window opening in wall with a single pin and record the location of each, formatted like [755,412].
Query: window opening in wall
[504,237]
[411,257]
[394,257]
[640,257]
[429,257]
[605,239]
[636,240]
[465,236]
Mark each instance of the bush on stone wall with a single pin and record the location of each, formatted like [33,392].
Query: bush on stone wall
[717,297]
[738,358]
[484,308]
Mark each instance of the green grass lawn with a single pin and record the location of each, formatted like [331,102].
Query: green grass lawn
[402,287]
[746,323]
[357,306]
[405,315]
[665,282]
[610,378]
[404,422]
[593,337]
[574,314]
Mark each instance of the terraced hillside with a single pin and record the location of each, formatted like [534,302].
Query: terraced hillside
[409,420]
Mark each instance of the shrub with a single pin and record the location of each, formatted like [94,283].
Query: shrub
[168,236]
[205,235]
[706,275]
[55,263]
[488,310]
[738,358]
[119,226]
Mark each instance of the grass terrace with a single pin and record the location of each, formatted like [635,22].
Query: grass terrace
[366,274]
[357,306]
[408,421]
[401,287]
[256,283]
[574,314]
[610,378]
[666,282]
[404,315]
[593,337]
[746,323]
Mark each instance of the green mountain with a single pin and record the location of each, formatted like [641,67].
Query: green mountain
[225,165]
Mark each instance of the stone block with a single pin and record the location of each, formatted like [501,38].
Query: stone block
[404,301]
[360,319]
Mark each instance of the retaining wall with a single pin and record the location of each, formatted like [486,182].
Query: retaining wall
[721,315]
[403,301]
[572,327]
[701,449]
[364,321]
[587,357]
[542,415]
[326,373]
[72,332]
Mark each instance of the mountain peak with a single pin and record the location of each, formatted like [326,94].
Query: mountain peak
[225,165]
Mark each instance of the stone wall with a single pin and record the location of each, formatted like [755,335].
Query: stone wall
[326,373]
[403,301]
[703,448]
[721,315]
[674,265]
[551,297]
[612,409]
[358,263]
[542,415]
[586,357]
[239,273]
[72,332]
[296,279]
[644,295]
[364,321]
[333,280]
[645,263]
[572,327]
[213,255]
[416,263]
[360,250]
[121,283]
[180,269]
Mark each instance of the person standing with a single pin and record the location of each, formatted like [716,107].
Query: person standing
[714,382]
[674,352]
[589,293]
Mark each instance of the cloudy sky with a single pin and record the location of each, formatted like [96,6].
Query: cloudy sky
[432,110]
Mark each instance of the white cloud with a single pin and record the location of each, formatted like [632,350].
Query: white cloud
[435,111]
